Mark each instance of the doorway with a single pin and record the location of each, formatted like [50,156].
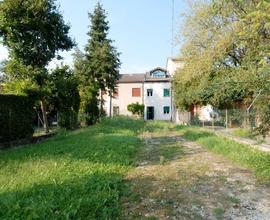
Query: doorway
[150,113]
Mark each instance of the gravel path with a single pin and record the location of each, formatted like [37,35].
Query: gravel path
[177,179]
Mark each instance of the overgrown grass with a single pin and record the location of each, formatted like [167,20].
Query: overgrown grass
[244,133]
[241,153]
[75,175]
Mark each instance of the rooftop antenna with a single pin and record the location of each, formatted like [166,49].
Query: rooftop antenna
[172,43]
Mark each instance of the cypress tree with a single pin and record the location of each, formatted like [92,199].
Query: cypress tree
[101,59]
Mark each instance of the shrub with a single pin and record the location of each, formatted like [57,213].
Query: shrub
[136,109]
[16,117]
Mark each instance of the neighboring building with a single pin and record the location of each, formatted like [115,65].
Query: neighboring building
[129,90]
[153,89]
[157,95]
[174,65]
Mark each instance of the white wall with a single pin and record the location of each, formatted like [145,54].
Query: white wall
[174,65]
[124,98]
[157,100]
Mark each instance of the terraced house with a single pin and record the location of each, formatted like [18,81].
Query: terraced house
[153,89]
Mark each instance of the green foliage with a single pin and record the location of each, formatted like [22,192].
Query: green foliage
[98,67]
[33,30]
[16,117]
[88,89]
[65,95]
[136,109]
[74,175]
[226,54]
[102,58]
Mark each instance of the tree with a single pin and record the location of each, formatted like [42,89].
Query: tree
[101,59]
[226,54]
[88,89]
[34,31]
[65,96]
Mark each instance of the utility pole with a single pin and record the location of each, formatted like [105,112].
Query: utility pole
[172,43]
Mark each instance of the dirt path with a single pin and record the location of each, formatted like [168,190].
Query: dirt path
[177,179]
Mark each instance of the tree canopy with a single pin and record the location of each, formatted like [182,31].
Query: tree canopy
[34,31]
[226,53]
[97,67]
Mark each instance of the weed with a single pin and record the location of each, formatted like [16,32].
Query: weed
[218,213]
[74,175]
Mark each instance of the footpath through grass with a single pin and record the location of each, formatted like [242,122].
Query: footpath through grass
[75,175]
[239,153]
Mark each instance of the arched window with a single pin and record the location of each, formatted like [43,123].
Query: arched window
[158,73]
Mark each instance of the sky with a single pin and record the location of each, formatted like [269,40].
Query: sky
[141,30]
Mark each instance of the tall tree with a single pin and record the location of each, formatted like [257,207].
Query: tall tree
[65,96]
[101,59]
[34,31]
[226,53]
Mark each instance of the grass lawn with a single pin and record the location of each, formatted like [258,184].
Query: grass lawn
[80,174]
[240,153]
[74,175]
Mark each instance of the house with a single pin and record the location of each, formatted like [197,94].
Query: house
[129,90]
[153,89]
[158,95]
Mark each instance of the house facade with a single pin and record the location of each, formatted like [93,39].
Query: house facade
[153,89]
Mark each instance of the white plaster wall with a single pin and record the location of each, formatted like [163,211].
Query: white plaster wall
[157,100]
[173,66]
[124,98]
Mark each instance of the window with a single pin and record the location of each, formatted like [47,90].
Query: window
[149,92]
[159,74]
[166,110]
[136,92]
[166,93]
[115,110]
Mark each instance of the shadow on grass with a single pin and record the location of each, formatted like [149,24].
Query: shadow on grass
[75,175]
[94,196]
[194,135]
[160,150]
[160,126]
[110,142]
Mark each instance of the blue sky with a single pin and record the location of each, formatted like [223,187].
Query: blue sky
[141,29]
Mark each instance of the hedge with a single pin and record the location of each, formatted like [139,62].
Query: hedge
[16,117]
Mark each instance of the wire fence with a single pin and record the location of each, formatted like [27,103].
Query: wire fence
[221,118]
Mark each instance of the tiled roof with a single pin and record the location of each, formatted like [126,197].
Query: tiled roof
[131,78]
[144,77]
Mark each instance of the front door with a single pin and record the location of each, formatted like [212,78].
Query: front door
[150,113]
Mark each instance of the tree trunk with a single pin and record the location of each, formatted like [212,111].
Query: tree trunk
[110,104]
[44,115]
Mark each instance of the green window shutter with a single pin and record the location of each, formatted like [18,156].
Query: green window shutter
[166,93]
[166,110]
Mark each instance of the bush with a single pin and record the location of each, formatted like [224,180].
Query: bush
[16,117]
[136,109]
